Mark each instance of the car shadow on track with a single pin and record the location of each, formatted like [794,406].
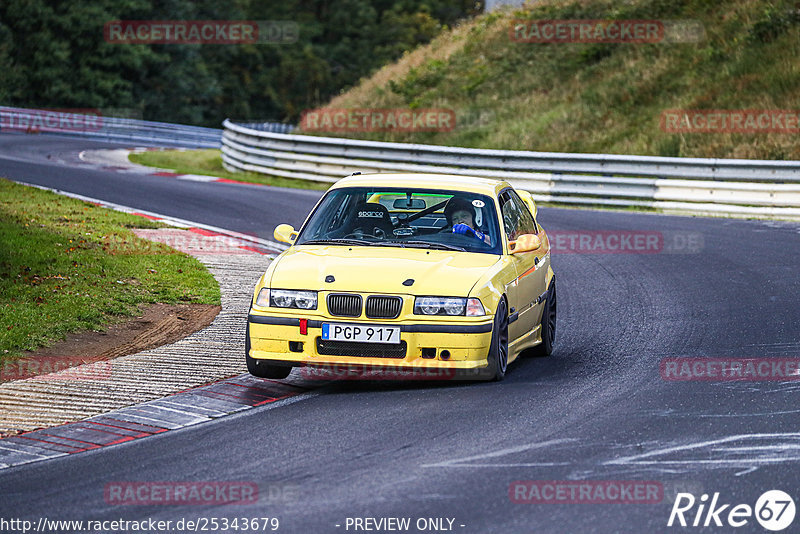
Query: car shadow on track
[526,369]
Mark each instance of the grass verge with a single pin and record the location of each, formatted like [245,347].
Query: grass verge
[68,266]
[600,98]
[208,162]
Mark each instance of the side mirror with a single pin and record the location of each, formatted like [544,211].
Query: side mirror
[285,233]
[525,243]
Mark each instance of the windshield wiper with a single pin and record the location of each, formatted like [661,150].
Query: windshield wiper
[337,241]
[422,244]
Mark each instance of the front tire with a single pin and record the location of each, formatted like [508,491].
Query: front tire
[498,350]
[548,324]
[261,368]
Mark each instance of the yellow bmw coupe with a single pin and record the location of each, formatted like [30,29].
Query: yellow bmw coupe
[407,271]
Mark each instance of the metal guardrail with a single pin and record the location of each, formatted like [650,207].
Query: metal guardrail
[274,127]
[695,185]
[74,123]
[77,124]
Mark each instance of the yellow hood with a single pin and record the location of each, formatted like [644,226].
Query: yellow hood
[380,270]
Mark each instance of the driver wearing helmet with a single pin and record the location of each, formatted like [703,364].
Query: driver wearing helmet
[460,216]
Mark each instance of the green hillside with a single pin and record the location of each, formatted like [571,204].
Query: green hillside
[609,98]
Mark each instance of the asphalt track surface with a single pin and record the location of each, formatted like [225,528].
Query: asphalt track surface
[598,409]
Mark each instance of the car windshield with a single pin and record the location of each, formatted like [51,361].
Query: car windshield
[404,217]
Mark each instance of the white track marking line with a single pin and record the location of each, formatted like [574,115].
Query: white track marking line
[459,462]
[197,178]
[639,459]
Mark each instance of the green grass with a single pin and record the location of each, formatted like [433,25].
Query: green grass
[208,162]
[68,266]
[600,98]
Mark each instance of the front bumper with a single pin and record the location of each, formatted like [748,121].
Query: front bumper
[438,345]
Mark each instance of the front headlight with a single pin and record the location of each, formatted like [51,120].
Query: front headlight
[448,306]
[284,298]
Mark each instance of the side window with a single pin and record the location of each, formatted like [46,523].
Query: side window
[510,215]
[527,224]
[517,218]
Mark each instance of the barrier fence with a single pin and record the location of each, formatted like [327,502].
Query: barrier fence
[728,187]
[94,123]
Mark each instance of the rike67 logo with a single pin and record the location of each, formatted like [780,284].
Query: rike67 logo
[774,510]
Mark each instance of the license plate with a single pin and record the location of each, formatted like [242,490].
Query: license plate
[361,333]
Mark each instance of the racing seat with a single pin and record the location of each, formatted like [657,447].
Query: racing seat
[371,218]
